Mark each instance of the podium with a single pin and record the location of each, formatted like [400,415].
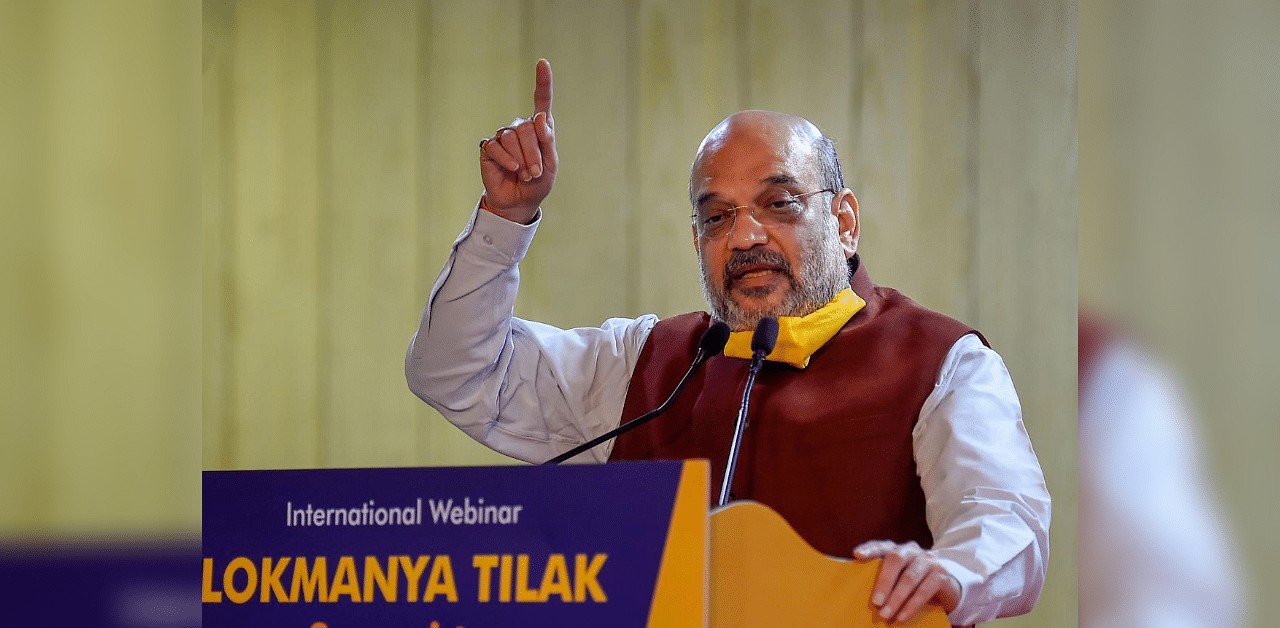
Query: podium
[617,545]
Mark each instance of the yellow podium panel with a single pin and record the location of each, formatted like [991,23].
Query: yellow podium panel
[763,574]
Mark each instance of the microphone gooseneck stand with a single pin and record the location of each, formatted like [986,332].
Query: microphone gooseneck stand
[711,344]
[762,342]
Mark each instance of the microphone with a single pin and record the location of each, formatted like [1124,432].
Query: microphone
[711,344]
[762,342]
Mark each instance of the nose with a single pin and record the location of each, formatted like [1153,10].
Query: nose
[746,231]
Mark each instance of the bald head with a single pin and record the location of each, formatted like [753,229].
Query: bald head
[790,138]
[771,126]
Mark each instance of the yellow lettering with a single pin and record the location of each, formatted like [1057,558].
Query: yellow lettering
[386,580]
[584,578]
[441,581]
[484,562]
[317,578]
[271,580]
[504,579]
[229,576]
[523,593]
[345,581]
[413,573]
[208,595]
[555,579]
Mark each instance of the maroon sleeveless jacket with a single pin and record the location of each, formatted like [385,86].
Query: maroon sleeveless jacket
[829,447]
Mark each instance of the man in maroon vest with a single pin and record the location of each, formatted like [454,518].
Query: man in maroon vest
[878,428]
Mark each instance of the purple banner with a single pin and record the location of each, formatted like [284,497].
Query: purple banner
[469,547]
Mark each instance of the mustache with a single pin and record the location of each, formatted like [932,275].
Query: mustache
[738,260]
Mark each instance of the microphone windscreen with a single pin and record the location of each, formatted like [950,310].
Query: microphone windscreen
[766,335]
[714,339]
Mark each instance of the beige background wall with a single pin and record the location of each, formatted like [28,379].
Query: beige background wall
[99,269]
[340,163]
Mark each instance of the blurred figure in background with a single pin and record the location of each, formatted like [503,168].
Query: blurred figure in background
[1178,240]
[1153,550]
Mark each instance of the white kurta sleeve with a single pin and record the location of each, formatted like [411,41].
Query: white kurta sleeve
[528,390]
[985,496]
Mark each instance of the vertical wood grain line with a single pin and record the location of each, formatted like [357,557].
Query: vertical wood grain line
[854,114]
[742,39]
[324,223]
[631,161]
[227,240]
[423,210]
[526,45]
[972,156]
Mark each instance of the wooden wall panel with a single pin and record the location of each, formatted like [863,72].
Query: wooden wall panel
[97,382]
[1025,245]
[112,374]
[465,92]
[578,272]
[800,59]
[24,307]
[912,170]
[274,283]
[217,72]
[686,83]
[369,196]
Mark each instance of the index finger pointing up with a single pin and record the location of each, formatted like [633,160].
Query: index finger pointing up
[542,88]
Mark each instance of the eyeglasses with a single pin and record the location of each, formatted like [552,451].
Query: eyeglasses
[715,219]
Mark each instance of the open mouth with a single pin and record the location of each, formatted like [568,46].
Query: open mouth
[754,264]
[753,278]
[756,271]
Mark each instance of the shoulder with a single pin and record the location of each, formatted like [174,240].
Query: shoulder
[914,319]
[675,337]
[690,322]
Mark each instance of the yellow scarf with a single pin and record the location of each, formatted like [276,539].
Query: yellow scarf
[800,336]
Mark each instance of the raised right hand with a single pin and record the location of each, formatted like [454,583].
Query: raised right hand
[518,164]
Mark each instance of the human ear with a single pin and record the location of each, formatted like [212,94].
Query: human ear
[845,208]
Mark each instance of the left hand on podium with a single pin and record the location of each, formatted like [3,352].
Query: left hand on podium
[909,578]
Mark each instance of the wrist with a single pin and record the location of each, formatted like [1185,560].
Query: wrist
[519,214]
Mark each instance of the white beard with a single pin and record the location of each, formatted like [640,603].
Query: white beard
[824,272]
